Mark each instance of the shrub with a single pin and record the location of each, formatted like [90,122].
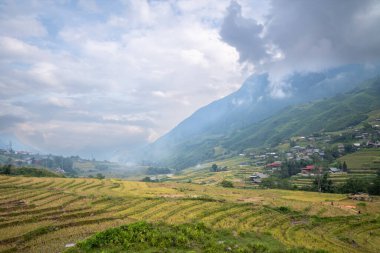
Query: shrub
[227,184]
[196,237]
[283,209]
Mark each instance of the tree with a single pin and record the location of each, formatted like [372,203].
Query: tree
[214,168]
[344,166]
[348,148]
[227,184]
[6,169]
[323,183]
[290,168]
[375,186]
[316,158]
[355,185]
[339,165]
[272,182]
[146,179]
[100,176]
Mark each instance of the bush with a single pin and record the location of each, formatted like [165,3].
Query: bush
[196,237]
[100,176]
[354,185]
[283,209]
[227,184]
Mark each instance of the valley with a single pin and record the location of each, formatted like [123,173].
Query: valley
[279,185]
[178,126]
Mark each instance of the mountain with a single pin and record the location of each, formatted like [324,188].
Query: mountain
[222,127]
[327,115]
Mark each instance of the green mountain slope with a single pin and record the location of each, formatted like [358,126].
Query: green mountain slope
[331,114]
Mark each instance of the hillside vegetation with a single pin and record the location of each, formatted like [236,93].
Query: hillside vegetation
[328,115]
[28,171]
[47,214]
[145,237]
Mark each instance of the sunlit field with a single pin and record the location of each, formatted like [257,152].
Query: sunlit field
[45,214]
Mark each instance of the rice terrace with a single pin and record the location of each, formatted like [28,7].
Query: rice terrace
[172,126]
[50,214]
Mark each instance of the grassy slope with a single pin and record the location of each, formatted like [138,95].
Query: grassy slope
[367,160]
[327,115]
[44,214]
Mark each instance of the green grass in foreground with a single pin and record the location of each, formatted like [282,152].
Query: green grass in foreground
[146,237]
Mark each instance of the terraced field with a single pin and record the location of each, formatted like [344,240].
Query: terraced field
[239,169]
[45,214]
[365,161]
[362,164]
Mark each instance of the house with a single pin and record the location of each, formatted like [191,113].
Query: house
[334,170]
[297,148]
[276,164]
[257,177]
[60,170]
[307,169]
[372,144]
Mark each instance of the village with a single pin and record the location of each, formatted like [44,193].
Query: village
[317,153]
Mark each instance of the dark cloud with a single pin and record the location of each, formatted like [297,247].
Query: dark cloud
[306,35]
[243,34]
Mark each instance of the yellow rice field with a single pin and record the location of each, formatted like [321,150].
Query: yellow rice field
[45,214]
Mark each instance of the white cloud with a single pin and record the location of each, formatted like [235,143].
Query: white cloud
[72,71]
[60,102]
[12,47]
[133,69]
[44,73]
[21,26]
[89,5]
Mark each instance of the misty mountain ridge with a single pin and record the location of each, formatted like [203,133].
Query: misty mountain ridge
[214,124]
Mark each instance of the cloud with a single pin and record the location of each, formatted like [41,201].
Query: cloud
[70,70]
[98,139]
[85,67]
[244,34]
[7,122]
[305,35]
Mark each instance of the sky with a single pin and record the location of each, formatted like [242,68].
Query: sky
[96,77]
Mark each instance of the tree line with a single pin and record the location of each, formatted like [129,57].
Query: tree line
[322,183]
